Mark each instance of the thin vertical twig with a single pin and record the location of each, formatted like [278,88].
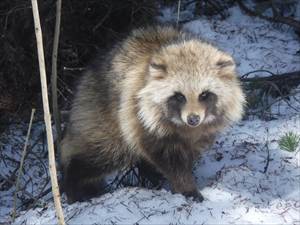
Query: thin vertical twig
[20,172]
[178,12]
[47,116]
[56,112]
[268,152]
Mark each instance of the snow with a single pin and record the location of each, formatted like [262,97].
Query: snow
[236,189]
[254,43]
[238,181]
[35,177]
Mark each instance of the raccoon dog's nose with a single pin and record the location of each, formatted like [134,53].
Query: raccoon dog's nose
[193,120]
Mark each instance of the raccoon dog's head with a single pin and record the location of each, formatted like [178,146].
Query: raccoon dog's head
[190,83]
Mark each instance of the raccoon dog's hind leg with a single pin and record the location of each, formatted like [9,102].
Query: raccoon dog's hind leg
[84,166]
[149,176]
[83,179]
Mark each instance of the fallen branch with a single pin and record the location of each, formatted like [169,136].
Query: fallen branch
[30,203]
[292,78]
[278,86]
[47,116]
[277,18]
[56,113]
[20,173]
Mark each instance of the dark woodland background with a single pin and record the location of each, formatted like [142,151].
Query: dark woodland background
[88,28]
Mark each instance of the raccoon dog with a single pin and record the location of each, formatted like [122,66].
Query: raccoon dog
[159,97]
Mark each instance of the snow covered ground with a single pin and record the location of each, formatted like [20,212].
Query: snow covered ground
[245,178]
[254,43]
[230,176]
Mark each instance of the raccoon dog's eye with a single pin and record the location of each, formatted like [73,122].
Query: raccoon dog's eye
[179,97]
[204,95]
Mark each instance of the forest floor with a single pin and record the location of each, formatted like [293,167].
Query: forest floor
[246,178]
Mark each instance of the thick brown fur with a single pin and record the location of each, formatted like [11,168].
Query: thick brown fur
[127,109]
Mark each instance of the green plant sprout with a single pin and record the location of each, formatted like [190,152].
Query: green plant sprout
[289,142]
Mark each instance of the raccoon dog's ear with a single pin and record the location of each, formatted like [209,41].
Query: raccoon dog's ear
[225,62]
[226,66]
[157,69]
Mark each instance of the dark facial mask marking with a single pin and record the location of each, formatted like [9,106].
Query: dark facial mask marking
[209,99]
[174,105]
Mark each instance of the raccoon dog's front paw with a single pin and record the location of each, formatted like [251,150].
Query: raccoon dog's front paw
[195,195]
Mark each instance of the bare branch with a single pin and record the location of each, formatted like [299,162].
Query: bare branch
[20,173]
[56,113]
[276,17]
[178,12]
[287,78]
[47,116]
